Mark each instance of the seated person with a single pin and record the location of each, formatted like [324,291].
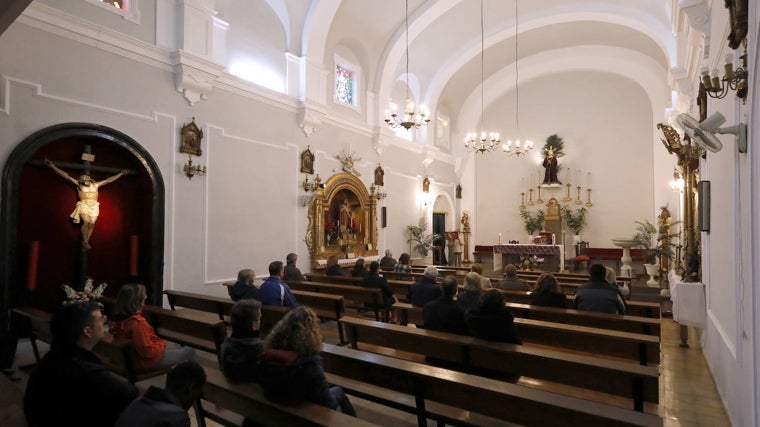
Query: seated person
[359,270]
[425,289]
[598,295]
[469,297]
[402,266]
[152,353]
[71,375]
[274,291]
[443,314]
[477,268]
[511,282]
[491,320]
[167,407]
[291,271]
[375,280]
[388,262]
[333,269]
[547,292]
[611,278]
[240,351]
[291,367]
[485,283]
[243,288]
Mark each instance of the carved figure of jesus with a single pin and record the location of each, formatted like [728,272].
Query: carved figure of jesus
[88,207]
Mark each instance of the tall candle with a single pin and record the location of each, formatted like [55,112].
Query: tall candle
[567,176]
[134,244]
[588,179]
[31,268]
[578,178]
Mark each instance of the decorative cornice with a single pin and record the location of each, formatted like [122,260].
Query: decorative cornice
[194,75]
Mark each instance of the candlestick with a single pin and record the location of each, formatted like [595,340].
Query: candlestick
[568,198]
[578,200]
[538,200]
[522,201]
[530,198]
[588,199]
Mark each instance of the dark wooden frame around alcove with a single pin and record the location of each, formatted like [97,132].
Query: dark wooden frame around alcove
[11,283]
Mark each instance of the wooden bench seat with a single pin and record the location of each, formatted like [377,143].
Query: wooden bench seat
[401,288]
[492,398]
[633,308]
[247,399]
[362,297]
[326,306]
[408,313]
[192,328]
[639,383]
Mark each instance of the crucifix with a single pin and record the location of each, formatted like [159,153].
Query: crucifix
[87,208]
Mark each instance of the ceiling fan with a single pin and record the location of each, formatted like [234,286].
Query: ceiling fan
[704,133]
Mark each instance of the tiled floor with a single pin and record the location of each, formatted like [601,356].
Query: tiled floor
[688,395]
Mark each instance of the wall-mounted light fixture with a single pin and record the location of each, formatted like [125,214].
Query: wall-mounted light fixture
[191,171]
[733,79]
[377,191]
[312,186]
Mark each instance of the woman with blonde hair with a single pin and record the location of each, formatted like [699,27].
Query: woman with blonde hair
[547,292]
[128,322]
[473,287]
[291,367]
[611,278]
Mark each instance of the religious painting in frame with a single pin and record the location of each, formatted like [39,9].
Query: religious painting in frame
[191,136]
[307,161]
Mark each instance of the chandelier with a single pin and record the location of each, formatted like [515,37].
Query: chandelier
[517,148]
[488,141]
[410,118]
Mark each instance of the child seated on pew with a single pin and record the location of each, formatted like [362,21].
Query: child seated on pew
[240,351]
[128,322]
[291,367]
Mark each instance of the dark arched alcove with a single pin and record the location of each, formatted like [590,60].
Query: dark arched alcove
[36,204]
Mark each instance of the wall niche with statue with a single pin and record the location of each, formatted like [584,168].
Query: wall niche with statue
[342,220]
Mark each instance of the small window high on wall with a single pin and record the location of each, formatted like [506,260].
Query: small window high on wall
[126,8]
[346,82]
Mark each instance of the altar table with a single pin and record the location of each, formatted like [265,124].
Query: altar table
[553,256]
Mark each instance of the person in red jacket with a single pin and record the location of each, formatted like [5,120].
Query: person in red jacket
[128,322]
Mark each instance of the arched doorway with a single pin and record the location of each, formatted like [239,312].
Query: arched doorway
[128,240]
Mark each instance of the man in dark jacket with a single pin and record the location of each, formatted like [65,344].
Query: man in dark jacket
[71,386]
[443,314]
[243,288]
[240,351]
[167,407]
[375,280]
[425,289]
[274,291]
[598,295]
[291,271]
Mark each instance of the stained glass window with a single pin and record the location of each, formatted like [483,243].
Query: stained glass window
[344,85]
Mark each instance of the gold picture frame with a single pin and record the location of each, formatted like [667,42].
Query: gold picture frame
[191,136]
[307,161]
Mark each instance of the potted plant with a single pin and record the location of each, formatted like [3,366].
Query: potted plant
[575,221]
[532,222]
[656,243]
[422,243]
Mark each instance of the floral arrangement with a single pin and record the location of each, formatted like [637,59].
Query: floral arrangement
[87,294]
[533,222]
[575,221]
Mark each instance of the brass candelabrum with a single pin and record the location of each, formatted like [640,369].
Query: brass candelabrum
[539,200]
[588,198]
[578,201]
[568,198]
[530,199]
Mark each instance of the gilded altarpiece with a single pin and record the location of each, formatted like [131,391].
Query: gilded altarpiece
[342,220]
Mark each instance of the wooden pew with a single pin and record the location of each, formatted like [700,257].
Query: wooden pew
[325,306]
[633,308]
[401,288]
[407,313]
[115,353]
[191,328]
[365,297]
[616,378]
[247,399]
